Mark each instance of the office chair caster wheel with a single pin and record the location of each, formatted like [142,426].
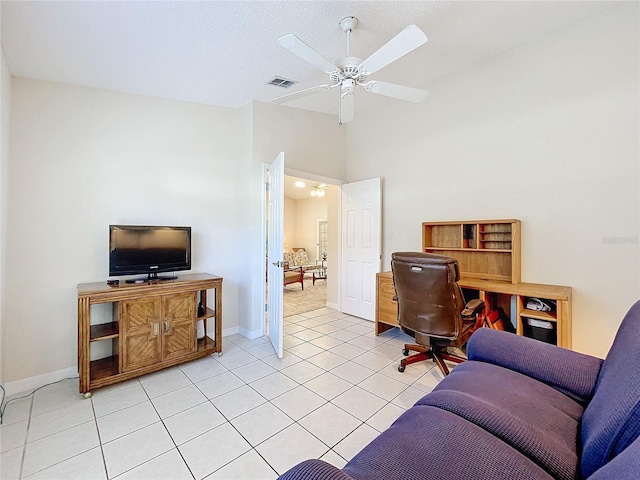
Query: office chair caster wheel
[401,368]
[405,352]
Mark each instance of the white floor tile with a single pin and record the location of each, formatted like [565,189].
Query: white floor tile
[302,372]
[328,385]
[61,446]
[373,361]
[330,424]
[273,385]
[408,398]
[356,441]
[307,334]
[193,422]
[383,386]
[238,401]
[384,417]
[59,420]
[126,421]
[86,466]
[253,371]
[202,368]
[287,360]
[359,403]
[178,401]
[134,449]
[109,400]
[334,459]
[10,462]
[305,350]
[298,402]
[352,372]
[290,447]
[327,360]
[261,423]
[219,385]
[209,452]
[262,351]
[164,381]
[55,396]
[249,466]
[16,410]
[169,466]
[13,435]
[236,359]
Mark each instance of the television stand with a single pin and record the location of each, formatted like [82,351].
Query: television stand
[152,277]
[152,326]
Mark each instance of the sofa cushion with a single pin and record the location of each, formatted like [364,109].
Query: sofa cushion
[532,417]
[611,422]
[430,443]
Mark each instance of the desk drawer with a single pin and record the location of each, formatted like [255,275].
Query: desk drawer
[387,307]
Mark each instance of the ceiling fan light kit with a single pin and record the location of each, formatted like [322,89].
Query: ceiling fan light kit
[349,72]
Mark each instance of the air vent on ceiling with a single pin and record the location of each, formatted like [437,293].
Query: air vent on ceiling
[281,82]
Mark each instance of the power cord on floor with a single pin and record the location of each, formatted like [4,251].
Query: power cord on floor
[3,405]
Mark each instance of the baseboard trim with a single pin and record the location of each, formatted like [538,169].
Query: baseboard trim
[250,334]
[334,306]
[31,383]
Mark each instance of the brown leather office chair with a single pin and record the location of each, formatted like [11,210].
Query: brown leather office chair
[431,307]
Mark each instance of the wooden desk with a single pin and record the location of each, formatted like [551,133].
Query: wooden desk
[154,325]
[494,293]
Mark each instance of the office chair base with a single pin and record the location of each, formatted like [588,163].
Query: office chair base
[437,354]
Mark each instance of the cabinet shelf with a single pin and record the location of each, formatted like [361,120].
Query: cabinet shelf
[538,315]
[104,331]
[488,249]
[104,368]
[208,313]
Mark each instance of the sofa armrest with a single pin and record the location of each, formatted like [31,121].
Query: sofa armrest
[572,373]
[314,470]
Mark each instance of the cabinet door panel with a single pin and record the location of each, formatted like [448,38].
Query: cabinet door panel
[140,333]
[179,316]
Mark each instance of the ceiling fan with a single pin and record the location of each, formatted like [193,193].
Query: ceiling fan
[349,72]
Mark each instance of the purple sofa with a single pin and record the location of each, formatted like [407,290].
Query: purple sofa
[518,409]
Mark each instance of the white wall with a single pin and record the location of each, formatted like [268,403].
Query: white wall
[308,212]
[290,225]
[547,133]
[81,159]
[5,113]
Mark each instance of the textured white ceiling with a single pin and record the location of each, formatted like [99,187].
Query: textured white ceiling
[224,52]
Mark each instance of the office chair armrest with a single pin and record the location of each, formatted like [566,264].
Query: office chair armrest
[572,373]
[314,469]
[472,307]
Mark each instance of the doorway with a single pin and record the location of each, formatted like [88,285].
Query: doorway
[306,246]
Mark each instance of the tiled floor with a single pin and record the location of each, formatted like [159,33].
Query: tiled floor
[244,415]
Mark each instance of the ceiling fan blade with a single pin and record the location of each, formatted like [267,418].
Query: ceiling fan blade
[404,42]
[305,52]
[347,107]
[301,93]
[414,95]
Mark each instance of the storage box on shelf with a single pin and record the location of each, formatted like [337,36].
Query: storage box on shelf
[154,326]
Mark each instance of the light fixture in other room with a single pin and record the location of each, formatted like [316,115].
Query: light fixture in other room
[319,190]
[299,184]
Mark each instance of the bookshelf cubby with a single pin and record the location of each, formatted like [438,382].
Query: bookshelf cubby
[486,249]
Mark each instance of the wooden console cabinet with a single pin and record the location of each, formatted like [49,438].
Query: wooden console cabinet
[154,325]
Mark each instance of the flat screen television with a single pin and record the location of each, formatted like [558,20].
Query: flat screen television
[143,249]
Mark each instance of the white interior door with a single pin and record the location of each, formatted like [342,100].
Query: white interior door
[361,246]
[275,255]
